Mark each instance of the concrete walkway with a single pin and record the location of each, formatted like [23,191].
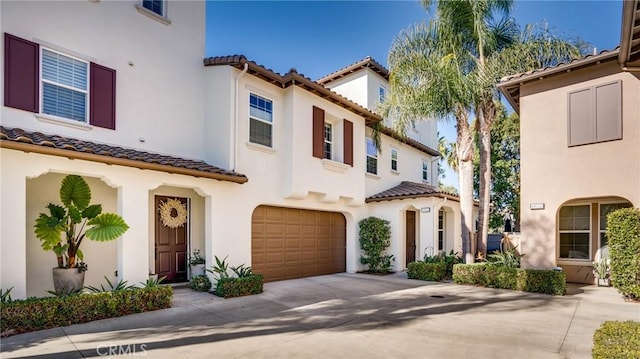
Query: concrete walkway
[346,316]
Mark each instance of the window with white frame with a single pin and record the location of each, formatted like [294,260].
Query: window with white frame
[156,6]
[575,231]
[382,94]
[425,170]
[605,209]
[260,120]
[441,222]
[64,85]
[394,159]
[328,140]
[372,156]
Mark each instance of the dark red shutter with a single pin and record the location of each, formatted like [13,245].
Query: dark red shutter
[348,142]
[318,132]
[102,97]
[21,73]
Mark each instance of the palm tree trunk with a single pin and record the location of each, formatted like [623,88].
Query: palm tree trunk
[486,116]
[465,165]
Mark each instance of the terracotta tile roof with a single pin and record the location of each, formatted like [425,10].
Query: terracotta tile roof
[407,190]
[409,141]
[367,62]
[293,78]
[510,85]
[15,138]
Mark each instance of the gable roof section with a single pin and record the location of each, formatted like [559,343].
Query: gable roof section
[410,190]
[367,62]
[630,36]
[36,142]
[510,85]
[293,78]
[290,79]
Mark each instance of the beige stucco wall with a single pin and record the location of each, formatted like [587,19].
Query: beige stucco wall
[159,72]
[553,173]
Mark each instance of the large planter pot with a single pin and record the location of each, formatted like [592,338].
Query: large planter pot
[67,280]
[197,270]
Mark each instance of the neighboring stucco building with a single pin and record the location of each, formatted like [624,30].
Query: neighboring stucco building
[580,151]
[274,171]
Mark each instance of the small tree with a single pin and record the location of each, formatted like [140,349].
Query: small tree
[623,233]
[375,238]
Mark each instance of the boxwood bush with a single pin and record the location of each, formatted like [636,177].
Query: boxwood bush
[426,271]
[529,280]
[32,314]
[617,340]
[238,287]
[623,233]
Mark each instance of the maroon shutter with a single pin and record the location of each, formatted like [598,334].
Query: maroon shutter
[318,132]
[102,97]
[21,73]
[348,142]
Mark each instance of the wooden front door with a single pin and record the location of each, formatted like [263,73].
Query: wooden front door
[171,240]
[411,236]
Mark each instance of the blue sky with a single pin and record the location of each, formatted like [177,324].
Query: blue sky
[319,37]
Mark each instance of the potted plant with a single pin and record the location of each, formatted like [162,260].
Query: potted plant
[602,272]
[64,228]
[196,260]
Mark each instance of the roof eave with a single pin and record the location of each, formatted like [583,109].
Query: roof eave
[516,82]
[630,15]
[413,196]
[34,148]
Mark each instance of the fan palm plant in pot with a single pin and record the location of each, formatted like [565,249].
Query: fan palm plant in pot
[63,229]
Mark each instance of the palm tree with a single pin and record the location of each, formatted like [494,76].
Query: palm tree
[465,32]
[427,79]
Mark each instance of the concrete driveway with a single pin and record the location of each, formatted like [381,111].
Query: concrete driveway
[346,316]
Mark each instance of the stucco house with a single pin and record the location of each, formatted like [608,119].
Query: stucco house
[274,170]
[580,151]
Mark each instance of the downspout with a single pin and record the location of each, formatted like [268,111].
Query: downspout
[235,117]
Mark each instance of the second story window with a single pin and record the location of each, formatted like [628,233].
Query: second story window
[382,95]
[260,120]
[394,159]
[372,157]
[156,6]
[425,170]
[64,86]
[595,114]
[328,140]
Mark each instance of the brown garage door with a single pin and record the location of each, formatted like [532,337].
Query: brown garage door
[291,243]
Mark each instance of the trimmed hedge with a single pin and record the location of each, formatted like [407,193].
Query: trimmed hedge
[617,340]
[623,233]
[51,312]
[238,287]
[427,271]
[528,280]
[200,283]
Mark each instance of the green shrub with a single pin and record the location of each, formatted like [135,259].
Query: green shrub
[542,281]
[470,274]
[617,340]
[238,287]
[529,280]
[200,283]
[623,233]
[375,238]
[44,313]
[508,257]
[427,271]
[448,259]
